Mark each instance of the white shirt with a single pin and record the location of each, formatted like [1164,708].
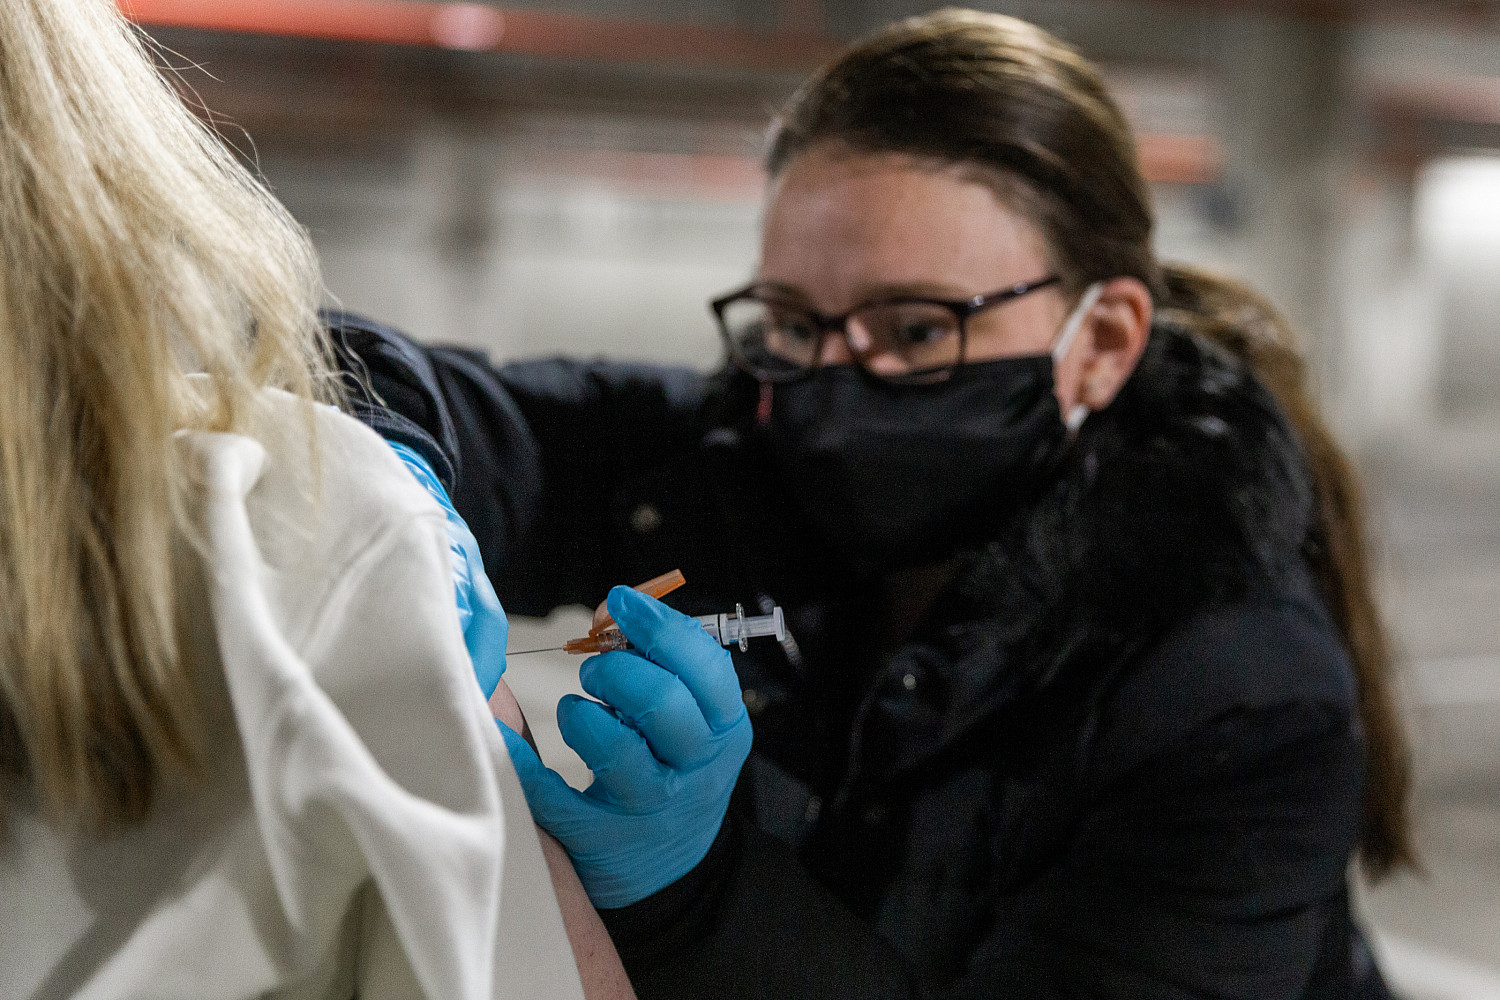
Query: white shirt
[356,825]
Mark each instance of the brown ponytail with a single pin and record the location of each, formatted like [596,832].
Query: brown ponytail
[1034,118]
[1241,320]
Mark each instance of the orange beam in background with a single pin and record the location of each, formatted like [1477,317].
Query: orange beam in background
[1180,159]
[1469,100]
[1472,13]
[396,23]
[1171,159]
[483,28]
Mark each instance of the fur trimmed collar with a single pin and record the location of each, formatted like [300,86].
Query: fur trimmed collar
[1189,491]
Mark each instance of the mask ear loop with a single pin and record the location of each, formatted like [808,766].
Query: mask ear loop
[1078,414]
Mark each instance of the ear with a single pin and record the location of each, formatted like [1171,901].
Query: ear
[1109,346]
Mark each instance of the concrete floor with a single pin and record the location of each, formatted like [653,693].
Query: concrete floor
[1441,928]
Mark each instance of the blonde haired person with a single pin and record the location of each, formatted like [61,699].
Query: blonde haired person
[241,749]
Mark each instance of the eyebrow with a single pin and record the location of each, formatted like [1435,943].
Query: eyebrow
[789,291]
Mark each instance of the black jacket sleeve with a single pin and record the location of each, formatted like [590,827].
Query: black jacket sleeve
[532,453]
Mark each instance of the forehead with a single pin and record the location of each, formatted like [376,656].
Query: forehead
[893,218]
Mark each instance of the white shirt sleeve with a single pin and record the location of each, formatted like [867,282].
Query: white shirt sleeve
[377,777]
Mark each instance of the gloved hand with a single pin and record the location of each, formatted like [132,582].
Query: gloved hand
[479,612]
[666,747]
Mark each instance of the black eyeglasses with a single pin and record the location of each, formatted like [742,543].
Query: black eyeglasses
[903,339]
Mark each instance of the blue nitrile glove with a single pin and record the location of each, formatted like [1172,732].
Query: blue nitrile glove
[666,748]
[479,612]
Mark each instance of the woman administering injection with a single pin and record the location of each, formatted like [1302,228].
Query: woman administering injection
[1087,694]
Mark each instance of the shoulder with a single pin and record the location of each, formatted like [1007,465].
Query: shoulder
[330,468]
[1269,653]
[322,496]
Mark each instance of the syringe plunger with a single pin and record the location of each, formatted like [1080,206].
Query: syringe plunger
[738,628]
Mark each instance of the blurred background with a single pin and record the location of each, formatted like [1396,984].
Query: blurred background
[580,176]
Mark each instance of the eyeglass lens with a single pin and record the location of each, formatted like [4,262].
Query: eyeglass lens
[895,339]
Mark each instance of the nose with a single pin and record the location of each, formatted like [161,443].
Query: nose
[835,349]
[854,345]
[837,344]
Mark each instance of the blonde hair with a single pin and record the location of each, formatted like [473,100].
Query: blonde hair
[134,250]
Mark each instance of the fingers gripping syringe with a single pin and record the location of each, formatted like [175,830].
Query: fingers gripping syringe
[738,628]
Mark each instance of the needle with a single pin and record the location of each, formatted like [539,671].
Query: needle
[546,649]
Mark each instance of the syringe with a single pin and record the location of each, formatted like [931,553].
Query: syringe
[738,628]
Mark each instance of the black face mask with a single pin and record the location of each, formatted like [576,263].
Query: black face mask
[900,476]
